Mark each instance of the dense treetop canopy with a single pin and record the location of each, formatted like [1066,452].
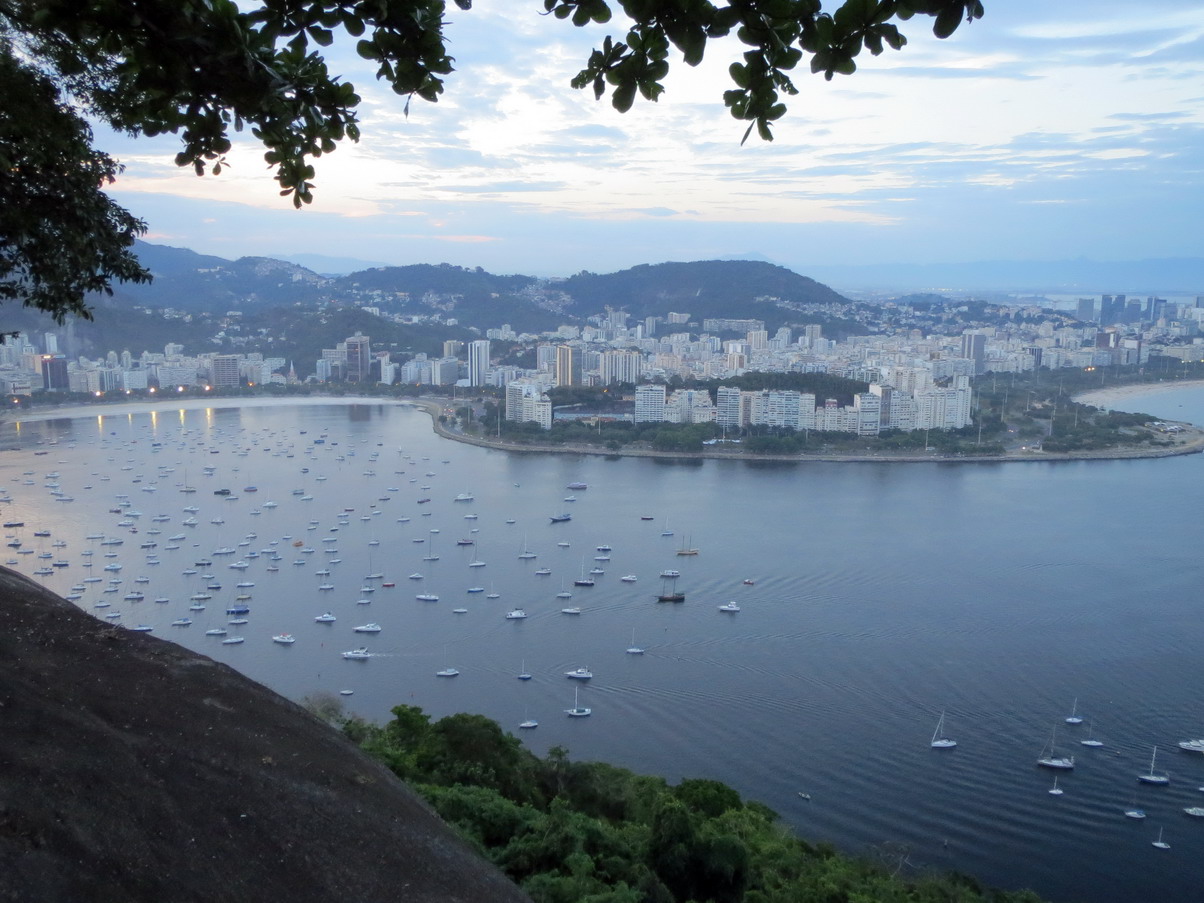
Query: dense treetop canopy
[202,69]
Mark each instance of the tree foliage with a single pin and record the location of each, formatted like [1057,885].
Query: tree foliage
[60,234]
[588,832]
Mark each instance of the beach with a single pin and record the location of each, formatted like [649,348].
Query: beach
[1119,396]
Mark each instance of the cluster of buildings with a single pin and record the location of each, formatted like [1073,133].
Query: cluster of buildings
[919,378]
[881,408]
[26,367]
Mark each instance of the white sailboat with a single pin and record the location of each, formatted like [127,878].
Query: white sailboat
[1091,741]
[1160,843]
[430,552]
[633,649]
[939,740]
[1051,760]
[1074,717]
[578,710]
[1135,811]
[1153,777]
[1055,790]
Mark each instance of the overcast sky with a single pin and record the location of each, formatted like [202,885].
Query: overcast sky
[1046,130]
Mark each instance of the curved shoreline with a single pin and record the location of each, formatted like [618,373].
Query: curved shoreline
[1188,442]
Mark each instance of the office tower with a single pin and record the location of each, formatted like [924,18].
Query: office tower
[358,357]
[478,362]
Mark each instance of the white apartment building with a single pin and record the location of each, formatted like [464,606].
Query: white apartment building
[526,401]
[690,406]
[649,403]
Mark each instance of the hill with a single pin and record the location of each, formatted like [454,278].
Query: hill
[134,770]
[708,288]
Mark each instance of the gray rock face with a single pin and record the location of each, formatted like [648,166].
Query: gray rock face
[134,770]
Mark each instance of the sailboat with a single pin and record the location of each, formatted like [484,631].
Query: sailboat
[528,723]
[1074,717]
[1051,760]
[1091,741]
[666,531]
[686,548]
[430,553]
[578,710]
[939,740]
[1160,778]
[1160,843]
[583,580]
[633,649]
[669,591]
[523,673]
[1055,790]
[448,671]
[1135,811]
[526,553]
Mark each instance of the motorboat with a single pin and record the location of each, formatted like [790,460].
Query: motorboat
[516,614]
[579,674]
[729,607]
[629,578]
[360,654]
[1196,746]
[326,618]
[370,627]
[286,639]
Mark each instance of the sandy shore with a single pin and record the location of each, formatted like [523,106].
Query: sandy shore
[1120,395]
[197,404]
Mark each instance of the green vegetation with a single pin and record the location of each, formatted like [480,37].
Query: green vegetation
[588,832]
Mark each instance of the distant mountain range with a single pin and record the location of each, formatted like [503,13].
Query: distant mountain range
[196,283]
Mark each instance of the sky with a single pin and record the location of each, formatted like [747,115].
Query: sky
[1043,131]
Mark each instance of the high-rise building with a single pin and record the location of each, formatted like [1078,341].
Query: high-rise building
[620,367]
[223,371]
[565,365]
[453,348]
[478,362]
[974,348]
[728,408]
[1085,310]
[526,401]
[358,357]
[649,403]
[54,373]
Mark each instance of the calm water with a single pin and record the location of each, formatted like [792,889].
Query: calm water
[882,596]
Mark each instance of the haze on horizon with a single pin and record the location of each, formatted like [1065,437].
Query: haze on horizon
[1041,132]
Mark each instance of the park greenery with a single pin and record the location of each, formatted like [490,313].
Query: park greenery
[589,832]
[206,69]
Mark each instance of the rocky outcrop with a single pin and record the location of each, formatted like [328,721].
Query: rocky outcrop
[134,770]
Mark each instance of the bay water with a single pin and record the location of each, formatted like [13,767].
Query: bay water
[872,598]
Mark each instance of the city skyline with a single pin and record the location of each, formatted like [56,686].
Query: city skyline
[1039,132]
